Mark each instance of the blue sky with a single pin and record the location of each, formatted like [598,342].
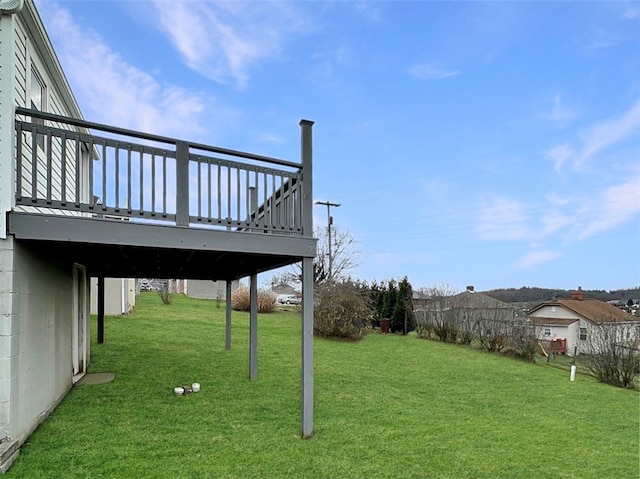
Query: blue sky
[494,144]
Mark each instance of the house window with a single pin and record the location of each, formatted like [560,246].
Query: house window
[546,332]
[37,92]
[583,334]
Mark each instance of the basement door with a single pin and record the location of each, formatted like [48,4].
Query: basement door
[79,322]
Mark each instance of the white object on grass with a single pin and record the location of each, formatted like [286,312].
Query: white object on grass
[573,373]
[195,387]
[178,390]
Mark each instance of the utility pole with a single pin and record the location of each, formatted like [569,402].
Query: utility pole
[329,223]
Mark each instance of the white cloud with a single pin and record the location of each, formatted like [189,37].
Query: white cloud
[271,138]
[327,60]
[369,10]
[556,199]
[560,154]
[617,205]
[436,190]
[536,257]
[608,133]
[113,91]
[561,113]
[223,40]
[596,139]
[430,71]
[501,218]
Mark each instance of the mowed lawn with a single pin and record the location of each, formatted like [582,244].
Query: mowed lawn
[387,406]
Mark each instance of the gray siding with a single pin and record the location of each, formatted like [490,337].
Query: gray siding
[113,296]
[203,289]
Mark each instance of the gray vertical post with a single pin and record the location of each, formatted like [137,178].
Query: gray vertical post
[307,280]
[100,309]
[228,317]
[253,328]
[307,347]
[253,205]
[182,184]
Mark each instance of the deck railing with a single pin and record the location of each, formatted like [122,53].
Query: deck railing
[70,166]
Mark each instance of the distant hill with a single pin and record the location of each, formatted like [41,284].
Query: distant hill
[533,294]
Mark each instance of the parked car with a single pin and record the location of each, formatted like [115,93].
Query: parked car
[289,299]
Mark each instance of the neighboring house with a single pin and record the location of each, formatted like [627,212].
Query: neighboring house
[119,296]
[58,192]
[575,320]
[208,289]
[284,289]
[468,314]
[468,300]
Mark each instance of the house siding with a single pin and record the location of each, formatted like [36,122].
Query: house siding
[25,61]
[203,289]
[36,292]
[569,332]
[7,349]
[113,295]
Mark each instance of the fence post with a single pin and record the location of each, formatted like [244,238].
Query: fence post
[182,184]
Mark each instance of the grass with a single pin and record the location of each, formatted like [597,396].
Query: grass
[385,407]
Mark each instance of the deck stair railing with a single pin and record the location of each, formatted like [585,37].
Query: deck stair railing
[71,166]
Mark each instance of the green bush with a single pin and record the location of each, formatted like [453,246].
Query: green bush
[340,311]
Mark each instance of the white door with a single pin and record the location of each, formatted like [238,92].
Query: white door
[79,321]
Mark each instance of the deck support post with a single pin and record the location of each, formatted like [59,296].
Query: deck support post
[100,309]
[227,333]
[253,328]
[307,347]
[306,142]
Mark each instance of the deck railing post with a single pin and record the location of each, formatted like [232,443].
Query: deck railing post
[306,137]
[182,184]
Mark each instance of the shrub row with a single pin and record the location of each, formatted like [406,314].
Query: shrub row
[493,329]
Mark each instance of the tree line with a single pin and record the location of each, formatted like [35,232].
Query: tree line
[534,294]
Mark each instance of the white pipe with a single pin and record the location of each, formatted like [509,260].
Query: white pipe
[573,373]
[123,304]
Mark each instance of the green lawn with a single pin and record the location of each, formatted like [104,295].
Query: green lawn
[388,406]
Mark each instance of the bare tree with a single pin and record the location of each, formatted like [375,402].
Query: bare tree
[344,258]
[613,354]
[436,315]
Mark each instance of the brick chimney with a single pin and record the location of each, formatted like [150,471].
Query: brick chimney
[470,289]
[577,294]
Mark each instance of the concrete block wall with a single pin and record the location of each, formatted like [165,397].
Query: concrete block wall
[7,352]
[41,339]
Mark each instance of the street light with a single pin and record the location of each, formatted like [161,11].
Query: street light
[329,223]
